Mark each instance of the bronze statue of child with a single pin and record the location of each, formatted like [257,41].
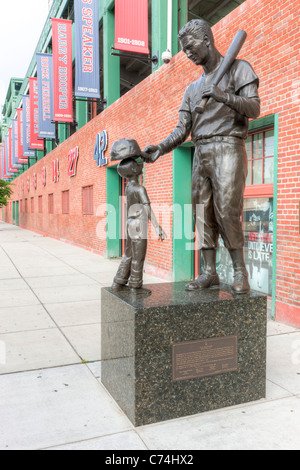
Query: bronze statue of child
[139,211]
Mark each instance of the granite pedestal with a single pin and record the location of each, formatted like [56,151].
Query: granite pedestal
[174,353]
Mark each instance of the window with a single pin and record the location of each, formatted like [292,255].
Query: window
[40,203]
[26,206]
[87,200]
[65,202]
[260,150]
[51,203]
[32,205]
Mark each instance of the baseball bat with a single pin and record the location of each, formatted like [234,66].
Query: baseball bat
[229,58]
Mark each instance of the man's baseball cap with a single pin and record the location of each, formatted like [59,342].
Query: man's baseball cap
[126,148]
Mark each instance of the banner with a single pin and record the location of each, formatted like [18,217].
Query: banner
[3,173]
[35,142]
[131,28]
[14,144]
[45,95]
[87,76]
[6,166]
[21,158]
[6,156]
[27,152]
[62,70]
[9,151]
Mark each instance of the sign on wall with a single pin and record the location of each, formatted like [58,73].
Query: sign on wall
[21,157]
[87,76]
[72,161]
[35,142]
[27,152]
[131,27]
[55,167]
[100,148]
[11,167]
[62,70]
[15,144]
[45,95]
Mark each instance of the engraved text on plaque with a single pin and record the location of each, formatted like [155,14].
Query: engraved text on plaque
[202,358]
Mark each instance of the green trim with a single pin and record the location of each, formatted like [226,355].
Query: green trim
[261,123]
[183,259]
[275,200]
[113,193]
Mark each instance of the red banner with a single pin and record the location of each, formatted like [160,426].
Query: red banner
[62,70]
[21,158]
[131,28]
[35,142]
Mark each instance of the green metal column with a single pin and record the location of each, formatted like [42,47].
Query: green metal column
[160,28]
[183,13]
[82,113]
[39,154]
[111,64]
[183,258]
[62,132]
[49,146]
[31,161]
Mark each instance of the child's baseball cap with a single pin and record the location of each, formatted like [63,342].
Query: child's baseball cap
[126,148]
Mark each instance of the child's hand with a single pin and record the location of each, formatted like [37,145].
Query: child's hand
[161,234]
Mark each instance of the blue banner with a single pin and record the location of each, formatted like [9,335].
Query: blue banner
[14,144]
[45,95]
[27,152]
[87,74]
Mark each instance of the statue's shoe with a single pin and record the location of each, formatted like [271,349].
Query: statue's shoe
[204,281]
[241,284]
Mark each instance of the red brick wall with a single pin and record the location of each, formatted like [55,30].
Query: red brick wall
[149,112]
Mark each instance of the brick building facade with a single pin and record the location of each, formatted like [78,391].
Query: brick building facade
[78,208]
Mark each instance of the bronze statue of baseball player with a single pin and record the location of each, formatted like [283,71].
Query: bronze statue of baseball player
[220,161]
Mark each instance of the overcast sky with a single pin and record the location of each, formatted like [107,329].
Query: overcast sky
[21,24]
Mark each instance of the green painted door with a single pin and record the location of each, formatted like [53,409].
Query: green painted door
[183,243]
[113,195]
[17,213]
[14,213]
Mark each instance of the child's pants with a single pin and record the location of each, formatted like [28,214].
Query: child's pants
[132,265]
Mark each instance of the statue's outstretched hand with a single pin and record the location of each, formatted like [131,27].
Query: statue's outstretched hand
[151,153]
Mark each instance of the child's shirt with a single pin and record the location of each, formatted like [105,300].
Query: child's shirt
[137,217]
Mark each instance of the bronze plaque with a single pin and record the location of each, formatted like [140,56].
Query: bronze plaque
[203,358]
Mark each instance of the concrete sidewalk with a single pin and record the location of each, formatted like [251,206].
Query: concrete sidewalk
[51,396]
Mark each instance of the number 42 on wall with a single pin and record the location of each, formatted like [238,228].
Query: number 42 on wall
[100,148]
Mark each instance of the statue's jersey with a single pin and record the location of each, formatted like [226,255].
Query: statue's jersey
[219,119]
